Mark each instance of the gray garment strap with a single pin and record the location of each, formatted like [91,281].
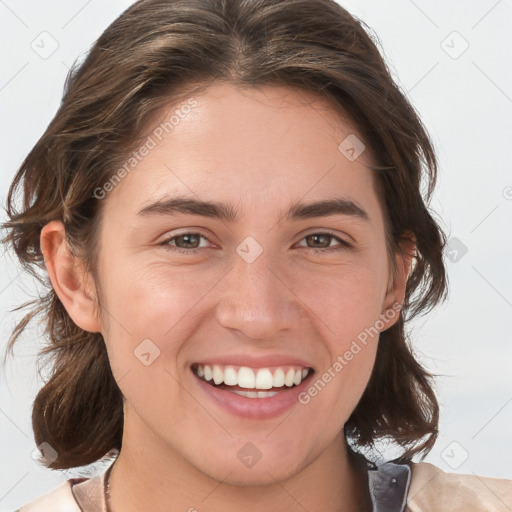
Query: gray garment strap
[388,486]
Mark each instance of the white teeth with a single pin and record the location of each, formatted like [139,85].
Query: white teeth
[278,380]
[255,394]
[264,379]
[248,378]
[230,376]
[290,374]
[218,374]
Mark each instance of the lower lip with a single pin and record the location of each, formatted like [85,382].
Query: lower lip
[254,408]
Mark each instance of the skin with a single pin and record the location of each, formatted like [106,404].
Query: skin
[179,450]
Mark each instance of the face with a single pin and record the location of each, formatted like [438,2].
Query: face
[258,294]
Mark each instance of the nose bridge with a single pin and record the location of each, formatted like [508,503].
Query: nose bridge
[256,299]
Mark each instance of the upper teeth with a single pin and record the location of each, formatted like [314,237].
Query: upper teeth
[249,378]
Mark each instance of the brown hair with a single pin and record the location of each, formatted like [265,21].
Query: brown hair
[157,53]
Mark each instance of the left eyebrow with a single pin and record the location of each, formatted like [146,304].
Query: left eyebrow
[325,208]
[229,213]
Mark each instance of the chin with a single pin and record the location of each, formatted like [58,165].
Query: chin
[260,474]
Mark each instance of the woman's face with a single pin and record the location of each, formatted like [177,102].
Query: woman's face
[254,279]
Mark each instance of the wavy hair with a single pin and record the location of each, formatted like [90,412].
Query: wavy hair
[157,53]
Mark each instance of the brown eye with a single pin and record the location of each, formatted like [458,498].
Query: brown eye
[188,240]
[321,242]
[187,243]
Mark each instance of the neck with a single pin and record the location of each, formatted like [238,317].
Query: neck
[148,475]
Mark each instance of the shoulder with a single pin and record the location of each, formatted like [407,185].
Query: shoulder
[431,488]
[73,495]
[59,499]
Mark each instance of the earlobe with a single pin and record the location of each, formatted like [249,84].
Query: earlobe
[68,278]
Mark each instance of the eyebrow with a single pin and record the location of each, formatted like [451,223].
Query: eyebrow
[227,212]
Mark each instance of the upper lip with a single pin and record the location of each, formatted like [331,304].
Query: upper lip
[255,361]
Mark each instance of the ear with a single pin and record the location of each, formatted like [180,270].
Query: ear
[395,294]
[72,285]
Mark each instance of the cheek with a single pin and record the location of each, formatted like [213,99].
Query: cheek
[151,300]
[350,322]
[147,317]
[152,310]
[347,306]
[345,299]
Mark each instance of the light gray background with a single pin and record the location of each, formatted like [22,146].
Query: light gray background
[465,99]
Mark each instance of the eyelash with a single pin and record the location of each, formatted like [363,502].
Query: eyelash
[343,244]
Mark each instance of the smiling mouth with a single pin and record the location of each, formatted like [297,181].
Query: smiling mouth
[252,382]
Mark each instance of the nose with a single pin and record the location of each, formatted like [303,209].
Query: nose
[258,300]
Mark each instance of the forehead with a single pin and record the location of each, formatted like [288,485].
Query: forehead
[260,146]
